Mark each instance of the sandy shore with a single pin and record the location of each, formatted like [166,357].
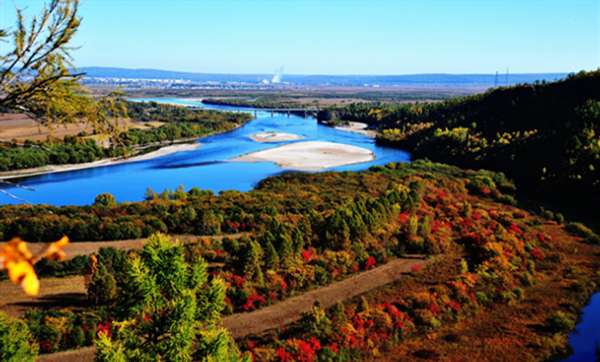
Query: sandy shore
[357,127]
[105,162]
[310,155]
[274,137]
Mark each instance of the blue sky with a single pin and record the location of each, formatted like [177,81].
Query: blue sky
[335,36]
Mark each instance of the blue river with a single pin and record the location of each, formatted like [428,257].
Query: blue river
[585,339]
[206,167]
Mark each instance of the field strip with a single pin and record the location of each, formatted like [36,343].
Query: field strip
[77,248]
[289,310]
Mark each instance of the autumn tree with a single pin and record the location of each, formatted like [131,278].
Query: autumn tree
[105,200]
[175,313]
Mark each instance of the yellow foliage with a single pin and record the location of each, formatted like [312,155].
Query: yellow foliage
[16,258]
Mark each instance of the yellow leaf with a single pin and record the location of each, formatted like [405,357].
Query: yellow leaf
[62,242]
[18,260]
[22,248]
[54,250]
[31,284]
[17,271]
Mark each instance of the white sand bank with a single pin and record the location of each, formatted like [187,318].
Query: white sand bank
[310,155]
[357,127]
[105,162]
[274,137]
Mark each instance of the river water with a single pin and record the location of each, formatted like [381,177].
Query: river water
[586,337]
[206,167]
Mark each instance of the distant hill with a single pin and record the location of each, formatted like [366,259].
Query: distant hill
[409,80]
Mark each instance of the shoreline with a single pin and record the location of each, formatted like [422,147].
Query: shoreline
[357,127]
[49,169]
[179,145]
[310,155]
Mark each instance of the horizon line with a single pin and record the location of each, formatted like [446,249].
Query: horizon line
[334,75]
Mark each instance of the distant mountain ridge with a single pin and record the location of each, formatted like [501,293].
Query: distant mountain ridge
[408,80]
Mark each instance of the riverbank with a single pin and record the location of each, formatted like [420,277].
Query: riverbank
[310,155]
[36,171]
[265,137]
[357,127]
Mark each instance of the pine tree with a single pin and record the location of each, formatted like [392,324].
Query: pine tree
[252,261]
[175,314]
[297,241]
[150,194]
[286,249]
[180,193]
[102,289]
[426,226]
[271,256]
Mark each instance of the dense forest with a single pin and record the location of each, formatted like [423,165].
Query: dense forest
[179,123]
[546,136]
[296,232]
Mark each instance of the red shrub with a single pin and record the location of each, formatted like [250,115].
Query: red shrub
[434,309]
[416,268]
[250,345]
[537,254]
[252,301]
[370,263]
[307,255]
[104,328]
[404,217]
[315,344]
[238,280]
[282,355]
[454,305]
[515,228]
[333,347]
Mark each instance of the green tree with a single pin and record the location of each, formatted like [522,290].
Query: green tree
[286,248]
[252,260]
[102,289]
[180,193]
[150,194]
[175,314]
[105,200]
[297,241]
[271,256]
[16,341]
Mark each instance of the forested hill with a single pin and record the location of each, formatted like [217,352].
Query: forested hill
[544,135]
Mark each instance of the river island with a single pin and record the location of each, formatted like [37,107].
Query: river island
[310,155]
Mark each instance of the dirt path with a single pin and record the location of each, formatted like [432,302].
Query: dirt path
[290,310]
[55,292]
[70,291]
[74,249]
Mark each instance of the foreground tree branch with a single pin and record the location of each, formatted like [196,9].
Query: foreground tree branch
[36,75]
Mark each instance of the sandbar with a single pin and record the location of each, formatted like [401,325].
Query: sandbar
[357,127]
[271,136]
[310,155]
